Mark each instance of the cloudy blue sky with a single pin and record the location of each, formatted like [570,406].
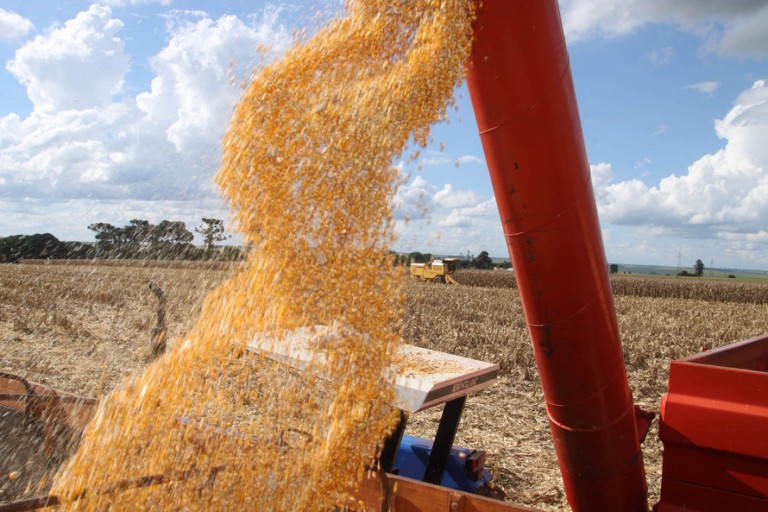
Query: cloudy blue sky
[114,109]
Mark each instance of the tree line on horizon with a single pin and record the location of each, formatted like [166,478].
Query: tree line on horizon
[139,239]
[698,270]
[481,261]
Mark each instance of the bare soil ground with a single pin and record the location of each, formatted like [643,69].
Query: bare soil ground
[83,328]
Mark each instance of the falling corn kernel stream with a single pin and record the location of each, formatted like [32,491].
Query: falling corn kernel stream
[307,172]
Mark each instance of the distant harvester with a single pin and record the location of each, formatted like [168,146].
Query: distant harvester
[436,271]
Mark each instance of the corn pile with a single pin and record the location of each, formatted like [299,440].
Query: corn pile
[307,171]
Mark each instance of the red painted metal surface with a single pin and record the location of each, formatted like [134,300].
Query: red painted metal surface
[714,426]
[522,91]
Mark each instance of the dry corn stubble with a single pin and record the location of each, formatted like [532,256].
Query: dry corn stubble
[508,421]
[307,173]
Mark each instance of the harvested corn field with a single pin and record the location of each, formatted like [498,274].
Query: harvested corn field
[663,287]
[83,328]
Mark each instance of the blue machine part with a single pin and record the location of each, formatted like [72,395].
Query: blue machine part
[413,456]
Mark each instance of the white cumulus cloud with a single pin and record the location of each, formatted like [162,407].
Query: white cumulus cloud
[414,199]
[82,142]
[471,215]
[444,220]
[13,25]
[447,197]
[735,27]
[78,66]
[722,194]
[190,93]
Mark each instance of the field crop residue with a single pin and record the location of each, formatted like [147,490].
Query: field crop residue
[83,329]
[307,172]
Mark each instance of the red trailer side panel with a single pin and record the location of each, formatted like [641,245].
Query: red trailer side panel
[714,426]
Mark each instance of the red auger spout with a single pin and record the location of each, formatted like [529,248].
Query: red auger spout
[522,91]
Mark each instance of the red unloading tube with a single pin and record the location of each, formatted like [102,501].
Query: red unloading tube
[522,91]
